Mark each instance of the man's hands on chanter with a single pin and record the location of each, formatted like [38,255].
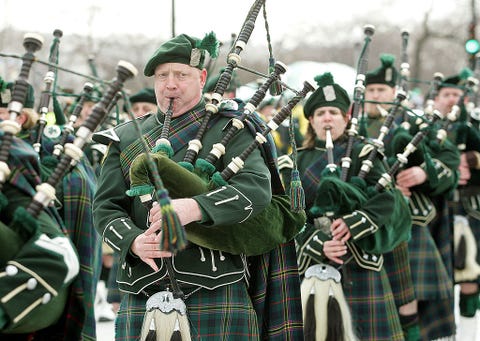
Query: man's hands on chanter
[147,245]
[336,248]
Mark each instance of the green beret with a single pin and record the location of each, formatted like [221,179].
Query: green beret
[457,81]
[384,74]
[212,82]
[144,95]
[328,94]
[6,95]
[185,50]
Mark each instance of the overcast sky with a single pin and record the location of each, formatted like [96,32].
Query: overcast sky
[153,18]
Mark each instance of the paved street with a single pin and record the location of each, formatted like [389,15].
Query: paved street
[105,331]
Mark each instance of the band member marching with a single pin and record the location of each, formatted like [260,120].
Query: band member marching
[336,224]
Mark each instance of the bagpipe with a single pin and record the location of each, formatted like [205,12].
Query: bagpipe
[419,142]
[73,151]
[31,243]
[339,194]
[155,176]
[405,74]
[274,225]
[32,43]
[50,82]
[465,197]
[358,93]
[39,262]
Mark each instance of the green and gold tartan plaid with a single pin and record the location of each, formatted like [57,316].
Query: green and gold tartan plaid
[397,266]
[225,313]
[371,302]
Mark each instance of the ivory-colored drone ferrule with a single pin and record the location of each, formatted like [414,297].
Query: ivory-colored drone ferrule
[211,107]
[9,126]
[260,138]
[45,194]
[218,150]
[73,151]
[237,123]
[195,145]
[234,58]
[4,171]
[236,164]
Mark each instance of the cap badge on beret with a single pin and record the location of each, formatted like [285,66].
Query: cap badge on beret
[329,93]
[195,57]
[388,74]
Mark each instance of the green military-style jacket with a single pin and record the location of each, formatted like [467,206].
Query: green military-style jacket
[120,219]
[369,217]
[37,261]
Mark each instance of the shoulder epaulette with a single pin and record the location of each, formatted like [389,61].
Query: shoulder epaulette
[106,136]
[112,135]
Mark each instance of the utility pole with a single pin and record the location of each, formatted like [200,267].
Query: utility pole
[472,45]
[173,18]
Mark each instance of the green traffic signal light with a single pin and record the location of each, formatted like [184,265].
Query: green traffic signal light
[472,46]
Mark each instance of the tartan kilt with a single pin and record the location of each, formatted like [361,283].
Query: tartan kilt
[430,277]
[225,313]
[441,229]
[114,295]
[371,302]
[436,319]
[397,267]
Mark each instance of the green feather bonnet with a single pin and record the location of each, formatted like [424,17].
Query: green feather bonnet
[185,50]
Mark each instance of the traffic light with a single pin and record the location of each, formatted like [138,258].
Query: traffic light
[472,46]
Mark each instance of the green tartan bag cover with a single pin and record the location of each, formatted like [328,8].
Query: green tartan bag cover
[275,225]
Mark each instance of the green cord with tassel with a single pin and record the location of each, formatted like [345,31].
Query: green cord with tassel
[297,194]
[174,236]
